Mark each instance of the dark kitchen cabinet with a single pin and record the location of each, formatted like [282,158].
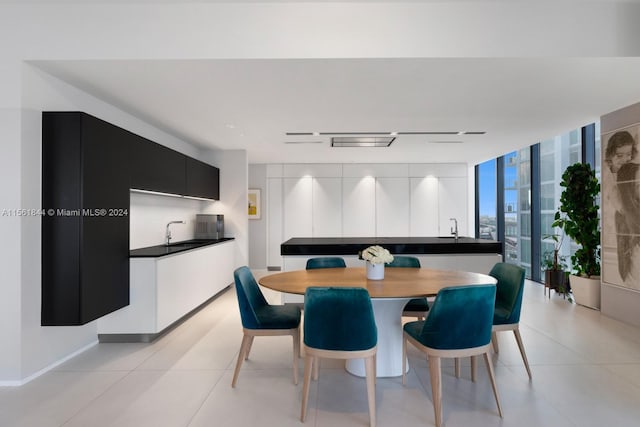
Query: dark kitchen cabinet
[203,180]
[85,228]
[88,169]
[157,168]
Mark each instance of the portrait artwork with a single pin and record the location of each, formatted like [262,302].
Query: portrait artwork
[621,207]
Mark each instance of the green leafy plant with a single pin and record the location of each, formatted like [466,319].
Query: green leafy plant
[555,266]
[578,217]
[551,259]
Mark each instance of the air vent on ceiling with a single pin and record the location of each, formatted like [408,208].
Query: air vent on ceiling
[362,141]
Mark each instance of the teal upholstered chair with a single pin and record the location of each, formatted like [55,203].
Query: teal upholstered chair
[339,324]
[261,319]
[510,289]
[459,325]
[417,307]
[325,262]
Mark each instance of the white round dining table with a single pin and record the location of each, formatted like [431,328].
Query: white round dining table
[388,297]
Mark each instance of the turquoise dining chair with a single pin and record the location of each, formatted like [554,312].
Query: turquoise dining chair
[339,324]
[259,318]
[506,317]
[325,262]
[416,307]
[459,325]
[510,289]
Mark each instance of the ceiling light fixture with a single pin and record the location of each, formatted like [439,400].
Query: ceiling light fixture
[361,141]
[392,133]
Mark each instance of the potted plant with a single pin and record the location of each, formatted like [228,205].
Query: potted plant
[376,257]
[578,218]
[555,267]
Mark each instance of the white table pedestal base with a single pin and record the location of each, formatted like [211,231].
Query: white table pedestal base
[388,313]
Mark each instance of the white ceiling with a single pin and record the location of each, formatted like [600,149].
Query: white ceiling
[394,85]
[252,104]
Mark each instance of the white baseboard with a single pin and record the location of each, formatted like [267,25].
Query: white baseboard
[35,375]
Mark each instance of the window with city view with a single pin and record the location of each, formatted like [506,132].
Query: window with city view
[526,243]
[488,227]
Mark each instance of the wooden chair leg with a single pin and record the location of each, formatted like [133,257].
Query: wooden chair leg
[316,368]
[308,366]
[457,367]
[494,341]
[244,347]
[370,370]
[375,368]
[493,381]
[296,354]
[473,368]
[516,332]
[436,387]
[246,354]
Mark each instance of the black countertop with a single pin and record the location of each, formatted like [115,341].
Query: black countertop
[174,248]
[395,245]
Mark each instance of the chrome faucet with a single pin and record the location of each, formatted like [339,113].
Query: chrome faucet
[168,232]
[454,231]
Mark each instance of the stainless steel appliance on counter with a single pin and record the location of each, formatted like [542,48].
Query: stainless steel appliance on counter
[209,226]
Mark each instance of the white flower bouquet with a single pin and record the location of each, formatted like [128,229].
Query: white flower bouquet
[376,255]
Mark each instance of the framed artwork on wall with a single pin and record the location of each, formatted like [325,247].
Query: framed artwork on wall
[620,189]
[254,203]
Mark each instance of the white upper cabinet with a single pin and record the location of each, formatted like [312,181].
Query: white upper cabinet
[452,203]
[327,207]
[359,207]
[392,207]
[298,207]
[364,200]
[424,207]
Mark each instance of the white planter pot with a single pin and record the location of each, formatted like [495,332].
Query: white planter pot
[375,271]
[586,290]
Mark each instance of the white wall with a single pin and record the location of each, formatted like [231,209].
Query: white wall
[11,254]
[233,198]
[149,215]
[258,227]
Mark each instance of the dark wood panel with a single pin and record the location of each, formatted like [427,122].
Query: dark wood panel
[105,223]
[157,168]
[60,251]
[85,235]
[203,180]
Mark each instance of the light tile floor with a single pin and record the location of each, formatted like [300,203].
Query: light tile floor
[586,372]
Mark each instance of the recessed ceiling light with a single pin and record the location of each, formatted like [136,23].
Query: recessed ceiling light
[362,141]
[230,126]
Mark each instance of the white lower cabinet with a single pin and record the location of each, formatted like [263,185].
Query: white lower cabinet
[164,289]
